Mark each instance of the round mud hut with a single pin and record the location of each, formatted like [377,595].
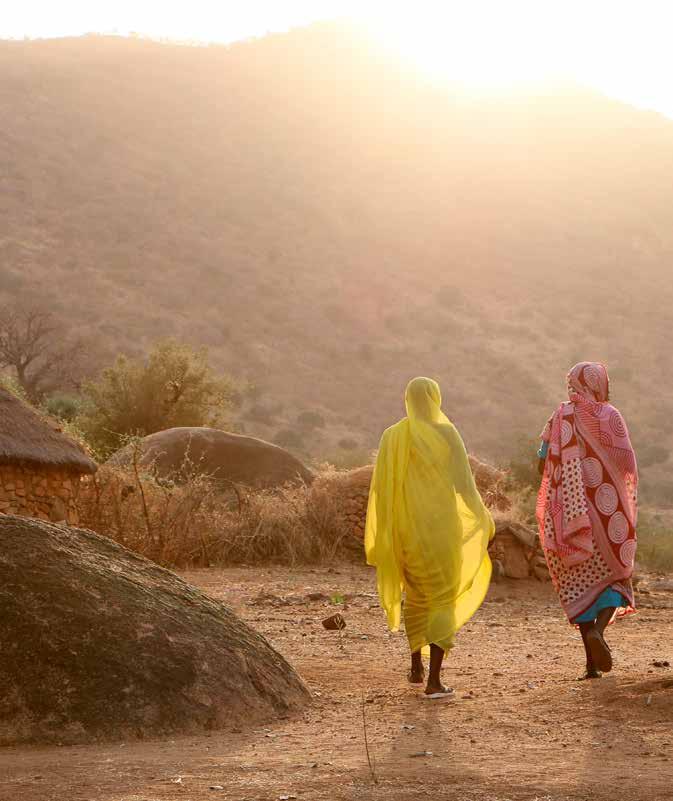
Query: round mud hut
[40,468]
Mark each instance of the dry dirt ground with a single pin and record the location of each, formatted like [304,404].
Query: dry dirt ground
[520,727]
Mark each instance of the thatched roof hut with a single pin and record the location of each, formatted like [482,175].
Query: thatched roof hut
[40,467]
[28,439]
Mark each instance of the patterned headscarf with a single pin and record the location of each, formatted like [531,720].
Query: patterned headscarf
[590,381]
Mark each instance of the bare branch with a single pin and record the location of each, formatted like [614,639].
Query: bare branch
[36,347]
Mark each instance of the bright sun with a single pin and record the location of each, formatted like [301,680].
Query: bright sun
[619,46]
[483,45]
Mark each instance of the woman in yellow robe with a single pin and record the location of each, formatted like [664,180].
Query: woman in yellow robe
[427,531]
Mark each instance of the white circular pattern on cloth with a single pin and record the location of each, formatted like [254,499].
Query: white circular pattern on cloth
[617,424]
[592,470]
[618,528]
[605,439]
[606,499]
[566,433]
[592,378]
[596,409]
[627,553]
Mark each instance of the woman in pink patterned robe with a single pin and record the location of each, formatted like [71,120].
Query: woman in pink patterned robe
[587,510]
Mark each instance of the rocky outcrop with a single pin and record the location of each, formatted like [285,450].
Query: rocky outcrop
[178,452]
[97,643]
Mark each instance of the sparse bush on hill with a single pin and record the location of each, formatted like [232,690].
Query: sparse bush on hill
[173,386]
[311,419]
[652,454]
[261,413]
[344,459]
[655,543]
[288,438]
[522,468]
[348,443]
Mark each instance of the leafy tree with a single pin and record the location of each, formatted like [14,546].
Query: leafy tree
[173,386]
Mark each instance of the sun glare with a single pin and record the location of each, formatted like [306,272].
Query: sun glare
[619,46]
[482,45]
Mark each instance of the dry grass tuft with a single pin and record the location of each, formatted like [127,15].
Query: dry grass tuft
[198,523]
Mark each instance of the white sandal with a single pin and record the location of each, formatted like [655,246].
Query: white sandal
[448,692]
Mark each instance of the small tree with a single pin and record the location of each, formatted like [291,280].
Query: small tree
[174,386]
[38,350]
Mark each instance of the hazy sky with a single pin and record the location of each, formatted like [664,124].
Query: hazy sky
[623,47]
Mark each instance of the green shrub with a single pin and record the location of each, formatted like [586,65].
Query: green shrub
[63,406]
[10,383]
[173,386]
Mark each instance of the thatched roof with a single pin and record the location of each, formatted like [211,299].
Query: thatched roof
[26,438]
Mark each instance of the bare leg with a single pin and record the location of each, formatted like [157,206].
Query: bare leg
[596,647]
[604,618]
[434,684]
[417,672]
[591,671]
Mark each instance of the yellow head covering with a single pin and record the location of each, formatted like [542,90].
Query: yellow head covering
[427,528]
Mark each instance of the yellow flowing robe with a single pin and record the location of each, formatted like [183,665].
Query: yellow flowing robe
[427,530]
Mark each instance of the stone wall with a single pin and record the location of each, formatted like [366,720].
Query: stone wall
[45,493]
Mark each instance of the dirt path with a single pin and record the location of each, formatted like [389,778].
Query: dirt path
[520,727]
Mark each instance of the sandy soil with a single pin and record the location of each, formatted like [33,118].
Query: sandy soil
[520,726]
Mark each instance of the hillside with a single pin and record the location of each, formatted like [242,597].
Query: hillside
[329,226]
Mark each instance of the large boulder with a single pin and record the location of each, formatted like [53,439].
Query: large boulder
[97,643]
[177,452]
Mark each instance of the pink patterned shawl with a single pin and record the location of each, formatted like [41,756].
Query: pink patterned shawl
[587,505]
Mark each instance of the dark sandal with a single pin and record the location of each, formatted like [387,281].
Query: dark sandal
[590,674]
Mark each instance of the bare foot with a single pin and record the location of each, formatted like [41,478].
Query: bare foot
[416,676]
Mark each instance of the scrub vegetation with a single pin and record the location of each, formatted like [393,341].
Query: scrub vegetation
[373,236]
